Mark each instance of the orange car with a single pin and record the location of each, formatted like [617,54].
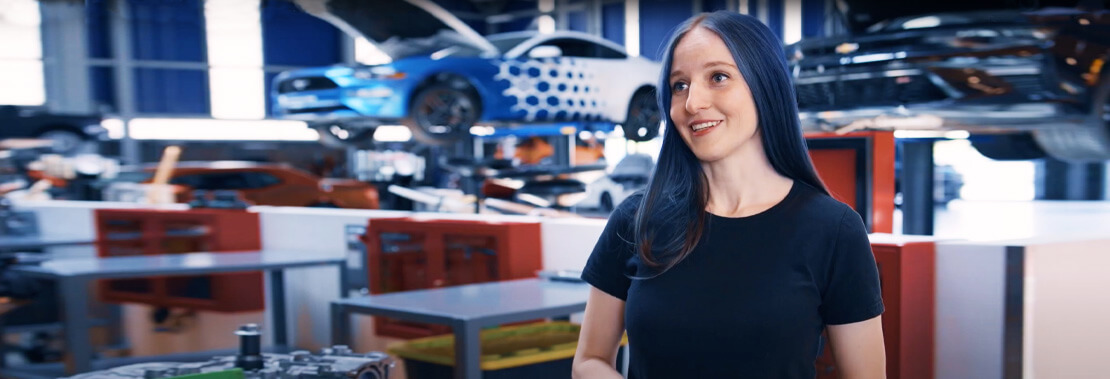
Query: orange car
[270,184]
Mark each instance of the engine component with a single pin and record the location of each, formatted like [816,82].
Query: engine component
[336,362]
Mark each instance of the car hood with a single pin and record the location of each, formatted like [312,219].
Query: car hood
[399,28]
[859,15]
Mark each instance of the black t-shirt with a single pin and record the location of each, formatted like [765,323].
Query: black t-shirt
[752,298]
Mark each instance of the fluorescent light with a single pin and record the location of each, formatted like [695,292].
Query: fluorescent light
[181,129]
[21,72]
[114,127]
[632,27]
[792,21]
[392,133]
[546,24]
[235,79]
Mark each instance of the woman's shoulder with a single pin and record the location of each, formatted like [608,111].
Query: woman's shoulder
[816,204]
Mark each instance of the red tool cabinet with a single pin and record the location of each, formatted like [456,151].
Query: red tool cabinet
[412,253]
[123,232]
[907,270]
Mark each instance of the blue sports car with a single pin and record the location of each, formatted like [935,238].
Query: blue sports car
[444,77]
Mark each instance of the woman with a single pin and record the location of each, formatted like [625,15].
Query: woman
[735,258]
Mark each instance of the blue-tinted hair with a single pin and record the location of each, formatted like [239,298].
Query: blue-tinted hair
[678,192]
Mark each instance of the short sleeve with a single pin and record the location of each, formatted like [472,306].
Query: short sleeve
[853,293]
[607,267]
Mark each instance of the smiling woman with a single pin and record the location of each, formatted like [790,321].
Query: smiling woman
[735,258]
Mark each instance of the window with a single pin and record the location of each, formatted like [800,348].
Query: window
[227,181]
[573,47]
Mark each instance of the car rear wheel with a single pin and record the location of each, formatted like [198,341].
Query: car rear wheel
[442,114]
[642,123]
[339,135]
[1086,142]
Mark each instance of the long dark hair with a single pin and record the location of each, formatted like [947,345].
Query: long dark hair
[678,192]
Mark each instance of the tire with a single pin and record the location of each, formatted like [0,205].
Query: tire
[1087,142]
[65,141]
[443,113]
[606,203]
[340,136]
[1008,147]
[642,123]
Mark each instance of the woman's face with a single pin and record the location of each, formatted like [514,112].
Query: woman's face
[711,105]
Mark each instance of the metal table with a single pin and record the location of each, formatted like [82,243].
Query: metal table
[466,309]
[73,276]
[13,243]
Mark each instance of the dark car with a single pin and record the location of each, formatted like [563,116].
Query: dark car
[1023,82]
[67,132]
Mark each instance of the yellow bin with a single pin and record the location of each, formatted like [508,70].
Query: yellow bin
[534,351]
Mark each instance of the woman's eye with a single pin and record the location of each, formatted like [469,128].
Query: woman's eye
[678,86]
[717,78]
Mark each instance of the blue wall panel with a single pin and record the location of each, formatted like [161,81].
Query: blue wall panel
[98,29]
[167,30]
[813,18]
[657,19]
[292,37]
[714,5]
[102,88]
[171,91]
[612,22]
[775,15]
[577,21]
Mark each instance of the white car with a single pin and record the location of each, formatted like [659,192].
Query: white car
[445,77]
[628,176]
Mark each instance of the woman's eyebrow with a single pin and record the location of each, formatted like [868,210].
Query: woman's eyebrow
[707,65]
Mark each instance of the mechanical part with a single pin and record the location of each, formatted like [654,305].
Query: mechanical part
[643,119]
[342,135]
[443,112]
[1007,147]
[64,140]
[250,348]
[1082,143]
[336,362]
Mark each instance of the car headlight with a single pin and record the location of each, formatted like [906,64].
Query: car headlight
[378,72]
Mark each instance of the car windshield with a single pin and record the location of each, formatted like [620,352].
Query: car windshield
[506,43]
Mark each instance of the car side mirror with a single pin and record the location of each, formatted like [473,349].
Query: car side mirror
[545,52]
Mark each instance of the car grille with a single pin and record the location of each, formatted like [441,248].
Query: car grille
[305,84]
[1025,84]
[868,92]
[318,109]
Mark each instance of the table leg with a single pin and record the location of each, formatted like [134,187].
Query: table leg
[75,307]
[340,325]
[277,306]
[343,274]
[468,351]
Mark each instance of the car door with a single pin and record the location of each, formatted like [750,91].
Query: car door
[587,82]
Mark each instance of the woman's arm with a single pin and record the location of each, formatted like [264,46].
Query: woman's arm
[602,328]
[858,348]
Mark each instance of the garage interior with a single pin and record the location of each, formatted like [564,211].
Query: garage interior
[328,188]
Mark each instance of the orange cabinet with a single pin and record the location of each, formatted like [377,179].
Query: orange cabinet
[907,270]
[155,232]
[410,253]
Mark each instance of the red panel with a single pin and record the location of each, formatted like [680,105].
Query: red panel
[122,232]
[907,271]
[421,253]
[837,168]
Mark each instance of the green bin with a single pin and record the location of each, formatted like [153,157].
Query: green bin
[534,351]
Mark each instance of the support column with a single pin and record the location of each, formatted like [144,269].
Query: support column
[917,187]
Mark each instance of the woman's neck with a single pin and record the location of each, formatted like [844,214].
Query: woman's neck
[744,183]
